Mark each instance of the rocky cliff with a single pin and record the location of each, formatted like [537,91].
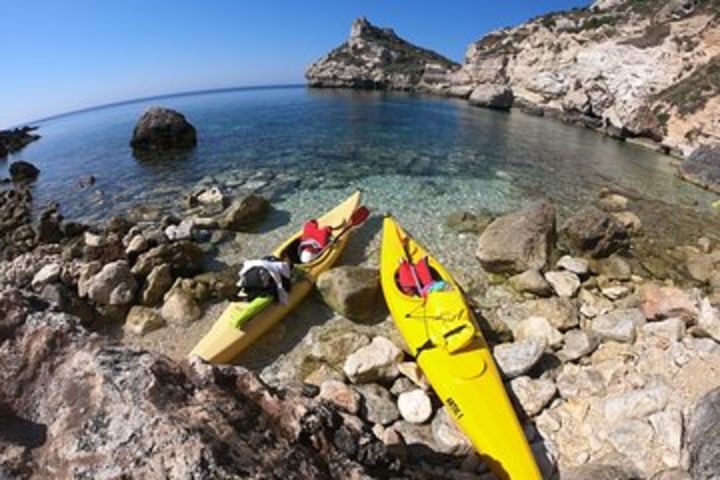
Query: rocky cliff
[376,58]
[631,68]
[648,70]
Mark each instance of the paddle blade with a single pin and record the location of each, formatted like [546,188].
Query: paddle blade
[359,216]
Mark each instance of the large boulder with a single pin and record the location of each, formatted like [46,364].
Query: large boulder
[703,167]
[520,240]
[353,292]
[244,213]
[20,171]
[499,97]
[162,129]
[112,285]
[594,232]
[183,257]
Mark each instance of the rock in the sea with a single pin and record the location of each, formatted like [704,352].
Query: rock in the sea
[162,129]
[376,58]
[702,167]
[15,139]
[530,281]
[341,395]
[515,359]
[378,404]
[533,394]
[594,232]
[566,284]
[666,302]
[499,97]
[142,320]
[619,325]
[374,362]
[613,202]
[21,171]
[415,406]
[520,240]
[539,329]
[703,437]
[468,222]
[244,213]
[180,308]
[353,292]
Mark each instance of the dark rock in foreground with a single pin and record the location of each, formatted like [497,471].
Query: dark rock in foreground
[703,437]
[13,140]
[376,58]
[161,129]
[75,406]
[703,167]
[20,171]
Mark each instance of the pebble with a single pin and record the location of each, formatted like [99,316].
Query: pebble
[708,319]
[47,274]
[448,436]
[530,281]
[137,245]
[341,395]
[636,403]
[540,329]
[615,292]
[413,372]
[374,362]
[533,395]
[415,406]
[577,344]
[670,329]
[142,320]
[515,359]
[575,381]
[592,305]
[619,325]
[180,308]
[378,406]
[566,284]
[400,385]
[578,266]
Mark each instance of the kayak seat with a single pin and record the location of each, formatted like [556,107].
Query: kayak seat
[415,279]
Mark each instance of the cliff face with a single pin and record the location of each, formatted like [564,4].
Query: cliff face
[376,58]
[646,68]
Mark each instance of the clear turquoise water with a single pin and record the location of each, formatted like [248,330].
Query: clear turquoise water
[417,157]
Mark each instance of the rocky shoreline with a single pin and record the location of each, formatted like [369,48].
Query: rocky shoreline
[644,72]
[613,369]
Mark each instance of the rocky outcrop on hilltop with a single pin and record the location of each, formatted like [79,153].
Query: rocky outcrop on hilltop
[646,69]
[160,129]
[13,140]
[376,58]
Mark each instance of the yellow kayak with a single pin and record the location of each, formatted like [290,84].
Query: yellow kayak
[442,334]
[224,341]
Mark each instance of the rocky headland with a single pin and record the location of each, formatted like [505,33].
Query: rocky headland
[643,71]
[13,140]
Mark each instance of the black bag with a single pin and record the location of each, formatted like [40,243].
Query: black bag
[257,282]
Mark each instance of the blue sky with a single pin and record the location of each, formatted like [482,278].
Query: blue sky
[62,56]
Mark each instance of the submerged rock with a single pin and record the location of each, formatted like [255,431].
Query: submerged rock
[20,171]
[244,213]
[519,241]
[162,129]
[499,97]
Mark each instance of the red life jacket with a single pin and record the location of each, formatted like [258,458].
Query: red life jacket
[406,276]
[314,238]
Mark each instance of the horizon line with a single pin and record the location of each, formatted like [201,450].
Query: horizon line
[184,93]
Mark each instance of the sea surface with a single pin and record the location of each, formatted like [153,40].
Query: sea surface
[418,157]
